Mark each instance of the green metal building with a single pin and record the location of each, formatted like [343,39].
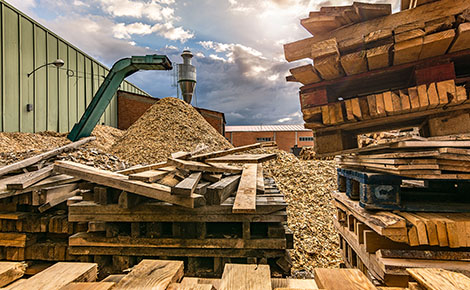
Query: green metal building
[51,98]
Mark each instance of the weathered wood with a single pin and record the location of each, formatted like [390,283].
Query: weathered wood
[439,279]
[325,48]
[11,271]
[245,199]
[89,286]
[305,74]
[354,63]
[240,277]
[58,200]
[462,41]
[436,44]
[446,91]
[148,176]
[259,178]
[329,67]
[188,185]
[30,178]
[342,279]
[248,158]
[152,274]
[140,168]
[50,193]
[221,190]
[43,156]
[121,182]
[203,167]
[59,275]
[379,57]
[225,152]
[407,51]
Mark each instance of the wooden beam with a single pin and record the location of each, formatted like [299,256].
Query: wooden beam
[30,178]
[203,167]
[462,41]
[152,274]
[89,286]
[305,74]
[138,169]
[148,176]
[245,199]
[354,63]
[220,153]
[67,271]
[46,155]
[302,48]
[119,181]
[248,158]
[379,57]
[437,43]
[58,200]
[329,67]
[407,51]
[187,186]
[218,192]
[11,271]
[259,178]
[240,277]
[352,279]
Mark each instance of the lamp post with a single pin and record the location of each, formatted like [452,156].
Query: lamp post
[57,63]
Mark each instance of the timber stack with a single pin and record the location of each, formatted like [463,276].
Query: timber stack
[402,203]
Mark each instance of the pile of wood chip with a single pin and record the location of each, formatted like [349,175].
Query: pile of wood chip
[306,185]
[170,125]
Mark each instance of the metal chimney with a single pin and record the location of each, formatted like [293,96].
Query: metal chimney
[187,76]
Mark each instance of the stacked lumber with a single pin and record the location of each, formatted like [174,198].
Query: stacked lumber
[211,208]
[386,73]
[34,224]
[386,245]
[168,274]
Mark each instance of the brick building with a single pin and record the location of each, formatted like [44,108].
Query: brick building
[132,106]
[286,136]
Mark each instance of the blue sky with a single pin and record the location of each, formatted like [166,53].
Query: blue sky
[237,46]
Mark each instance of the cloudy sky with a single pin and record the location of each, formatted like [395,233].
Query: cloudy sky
[237,46]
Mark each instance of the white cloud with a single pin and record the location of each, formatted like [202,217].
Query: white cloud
[125,31]
[153,10]
[283,120]
[170,32]
[80,3]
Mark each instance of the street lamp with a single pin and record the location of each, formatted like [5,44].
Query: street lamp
[57,63]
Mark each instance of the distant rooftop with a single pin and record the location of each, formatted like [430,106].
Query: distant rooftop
[265,128]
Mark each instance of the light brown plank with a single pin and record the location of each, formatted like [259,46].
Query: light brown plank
[241,277]
[352,279]
[439,279]
[245,199]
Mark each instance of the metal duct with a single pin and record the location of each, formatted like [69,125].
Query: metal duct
[187,76]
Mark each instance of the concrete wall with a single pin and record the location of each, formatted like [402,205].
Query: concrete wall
[58,96]
[285,139]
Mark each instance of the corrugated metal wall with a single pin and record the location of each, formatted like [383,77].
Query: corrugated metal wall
[59,96]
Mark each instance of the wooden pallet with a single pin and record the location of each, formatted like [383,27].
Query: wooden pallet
[379,191]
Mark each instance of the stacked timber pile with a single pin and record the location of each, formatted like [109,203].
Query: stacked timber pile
[169,275]
[386,73]
[193,205]
[170,125]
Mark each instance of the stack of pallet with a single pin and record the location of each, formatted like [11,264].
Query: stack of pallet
[391,72]
[34,224]
[194,206]
[168,274]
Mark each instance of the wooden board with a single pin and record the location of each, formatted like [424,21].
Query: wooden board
[140,168]
[152,274]
[218,192]
[342,279]
[29,178]
[462,41]
[89,286]
[245,199]
[241,277]
[305,74]
[439,279]
[11,271]
[259,178]
[187,186]
[354,63]
[379,57]
[203,167]
[59,275]
[225,152]
[437,43]
[119,181]
[248,158]
[148,176]
[329,67]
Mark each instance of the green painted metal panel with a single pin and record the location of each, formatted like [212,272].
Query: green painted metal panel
[40,80]
[81,103]
[26,83]
[12,71]
[52,87]
[88,75]
[72,87]
[63,90]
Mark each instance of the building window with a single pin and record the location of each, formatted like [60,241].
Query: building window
[305,139]
[263,139]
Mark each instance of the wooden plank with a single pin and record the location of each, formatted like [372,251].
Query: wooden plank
[436,44]
[329,67]
[180,155]
[446,91]
[461,94]
[431,229]
[407,35]
[439,279]
[392,103]
[259,178]
[320,23]
[247,158]
[89,286]
[305,74]
[332,113]
[241,277]
[325,48]
[188,185]
[50,193]
[225,152]
[245,199]
[423,97]
[325,113]
[203,167]
[293,283]
[414,98]
[63,197]
[379,57]
[356,108]
[119,181]
[407,51]
[433,97]
[148,176]
[349,110]
[152,274]
[341,279]
[439,24]
[30,178]
[43,156]
[11,271]
[405,101]
[218,192]
[139,168]
[59,275]
[380,104]
[371,101]
[354,63]
[462,41]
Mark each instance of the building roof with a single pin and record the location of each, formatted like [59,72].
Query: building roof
[265,128]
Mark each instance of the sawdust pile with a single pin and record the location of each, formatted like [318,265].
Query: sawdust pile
[18,146]
[170,125]
[306,185]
